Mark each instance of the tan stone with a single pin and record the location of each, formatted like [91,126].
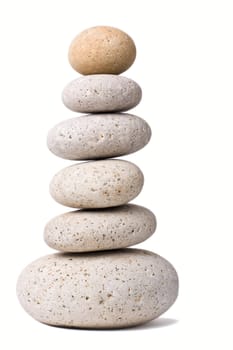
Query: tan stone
[102,50]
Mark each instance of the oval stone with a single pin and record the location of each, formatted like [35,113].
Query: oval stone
[98,136]
[102,229]
[97,184]
[102,50]
[114,289]
[101,93]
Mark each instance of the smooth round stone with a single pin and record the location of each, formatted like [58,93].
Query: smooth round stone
[97,184]
[98,136]
[102,50]
[101,93]
[115,289]
[102,229]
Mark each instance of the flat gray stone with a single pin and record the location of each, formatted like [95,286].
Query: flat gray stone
[102,229]
[101,93]
[97,184]
[98,136]
[116,289]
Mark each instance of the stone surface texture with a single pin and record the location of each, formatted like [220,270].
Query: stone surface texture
[98,290]
[101,93]
[102,50]
[103,229]
[98,136]
[97,184]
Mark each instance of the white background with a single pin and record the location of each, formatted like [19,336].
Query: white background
[185,68]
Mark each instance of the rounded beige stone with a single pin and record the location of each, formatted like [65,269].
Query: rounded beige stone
[97,184]
[98,136]
[115,289]
[101,93]
[102,229]
[102,50]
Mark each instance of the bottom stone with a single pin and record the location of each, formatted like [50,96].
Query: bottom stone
[114,289]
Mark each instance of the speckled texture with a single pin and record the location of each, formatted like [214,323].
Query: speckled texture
[98,290]
[102,50]
[101,93]
[97,184]
[102,229]
[98,136]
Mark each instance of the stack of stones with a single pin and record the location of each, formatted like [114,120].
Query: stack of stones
[95,281]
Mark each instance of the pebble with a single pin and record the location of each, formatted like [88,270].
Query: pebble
[101,93]
[98,136]
[102,229]
[115,289]
[102,50]
[97,184]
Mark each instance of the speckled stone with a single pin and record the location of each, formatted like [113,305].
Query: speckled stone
[98,136]
[101,93]
[97,184]
[102,229]
[102,50]
[114,289]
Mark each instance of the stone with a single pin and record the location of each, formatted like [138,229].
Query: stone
[101,93]
[102,229]
[98,136]
[115,289]
[97,184]
[102,50]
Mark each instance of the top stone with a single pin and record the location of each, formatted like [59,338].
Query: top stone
[102,50]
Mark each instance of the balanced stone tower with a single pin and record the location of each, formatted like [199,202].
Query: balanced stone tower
[95,281]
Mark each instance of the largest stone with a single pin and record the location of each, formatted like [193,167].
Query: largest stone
[98,290]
